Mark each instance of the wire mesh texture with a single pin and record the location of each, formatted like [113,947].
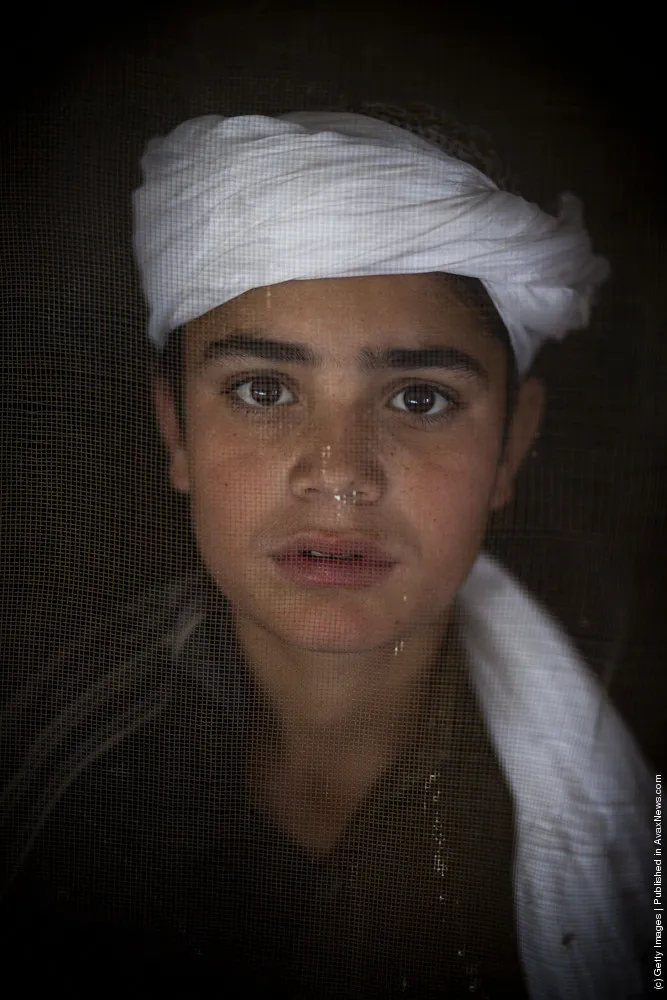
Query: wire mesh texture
[151,837]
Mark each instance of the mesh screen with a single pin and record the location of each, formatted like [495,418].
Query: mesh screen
[174,817]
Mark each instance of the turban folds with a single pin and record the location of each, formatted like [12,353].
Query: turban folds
[234,203]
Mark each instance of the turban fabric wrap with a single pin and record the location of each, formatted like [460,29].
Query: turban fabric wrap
[234,203]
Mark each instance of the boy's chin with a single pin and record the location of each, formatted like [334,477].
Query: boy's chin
[337,645]
[337,622]
[343,644]
[338,634]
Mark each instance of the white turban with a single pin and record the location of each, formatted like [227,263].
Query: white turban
[230,204]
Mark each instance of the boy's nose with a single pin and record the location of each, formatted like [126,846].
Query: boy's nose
[342,467]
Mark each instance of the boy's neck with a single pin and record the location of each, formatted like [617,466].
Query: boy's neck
[342,721]
[329,704]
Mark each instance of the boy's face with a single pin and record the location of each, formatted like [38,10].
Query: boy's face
[337,439]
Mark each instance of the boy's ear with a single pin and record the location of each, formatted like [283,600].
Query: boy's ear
[524,428]
[167,418]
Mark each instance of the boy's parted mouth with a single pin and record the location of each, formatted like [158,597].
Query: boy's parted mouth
[336,548]
[330,560]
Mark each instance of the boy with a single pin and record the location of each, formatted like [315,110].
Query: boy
[357,759]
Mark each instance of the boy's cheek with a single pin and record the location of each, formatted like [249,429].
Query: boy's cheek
[228,510]
[235,495]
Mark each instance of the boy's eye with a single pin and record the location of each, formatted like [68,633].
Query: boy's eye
[422,400]
[263,391]
[419,399]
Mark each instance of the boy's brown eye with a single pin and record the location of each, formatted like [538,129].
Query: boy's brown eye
[263,391]
[423,399]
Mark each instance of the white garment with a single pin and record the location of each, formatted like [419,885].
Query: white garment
[581,790]
[231,204]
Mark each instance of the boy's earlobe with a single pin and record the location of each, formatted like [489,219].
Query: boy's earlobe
[170,430]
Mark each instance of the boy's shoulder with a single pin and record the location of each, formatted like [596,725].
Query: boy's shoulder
[153,616]
[106,634]
[109,710]
[119,660]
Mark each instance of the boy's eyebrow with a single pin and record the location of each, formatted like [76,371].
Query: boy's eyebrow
[449,358]
[253,345]
[242,344]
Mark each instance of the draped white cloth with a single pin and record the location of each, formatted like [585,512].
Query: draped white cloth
[230,204]
[582,796]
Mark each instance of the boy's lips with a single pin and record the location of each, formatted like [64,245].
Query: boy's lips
[333,546]
[329,560]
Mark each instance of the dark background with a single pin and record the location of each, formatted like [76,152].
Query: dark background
[572,99]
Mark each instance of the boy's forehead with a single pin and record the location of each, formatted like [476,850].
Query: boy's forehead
[345,314]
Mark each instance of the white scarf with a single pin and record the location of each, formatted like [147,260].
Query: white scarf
[582,796]
[230,204]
